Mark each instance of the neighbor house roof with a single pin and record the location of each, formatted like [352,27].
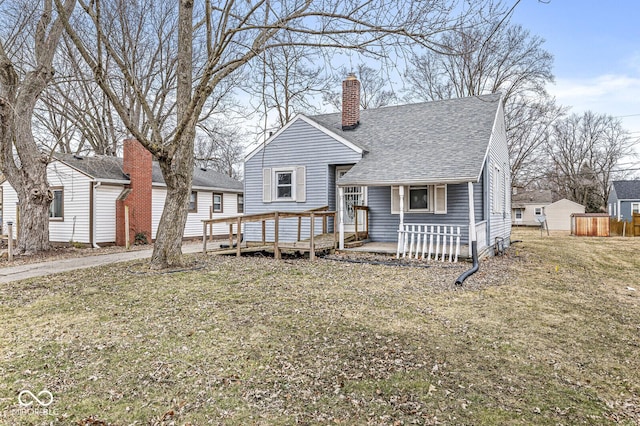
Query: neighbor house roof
[440,141]
[627,189]
[535,196]
[107,168]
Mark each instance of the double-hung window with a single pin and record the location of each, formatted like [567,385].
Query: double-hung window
[284,184]
[217,202]
[56,208]
[193,202]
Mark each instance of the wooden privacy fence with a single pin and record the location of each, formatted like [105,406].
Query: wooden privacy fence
[276,245]
[626,228]
[425,241]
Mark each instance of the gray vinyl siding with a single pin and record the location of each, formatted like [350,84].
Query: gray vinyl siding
[383,225]
[625,209]
[499,222]
[299,145]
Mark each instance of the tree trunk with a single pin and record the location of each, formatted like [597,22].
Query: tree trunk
[34,199]
[177,165]
[178,174]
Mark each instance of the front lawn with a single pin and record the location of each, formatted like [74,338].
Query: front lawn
[548,334]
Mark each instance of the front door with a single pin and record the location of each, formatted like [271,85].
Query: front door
[353,196]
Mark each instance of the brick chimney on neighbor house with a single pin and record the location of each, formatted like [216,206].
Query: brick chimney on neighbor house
[136,163]
[350,102]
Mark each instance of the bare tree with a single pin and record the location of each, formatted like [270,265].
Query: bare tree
[74,115]
[497,57]
[284,82]
[220,147]
[584,150]
[27,49]
[374,89]
[232,35]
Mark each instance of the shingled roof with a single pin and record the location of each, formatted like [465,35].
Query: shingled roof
[107,168]
[627,189]
[440,141]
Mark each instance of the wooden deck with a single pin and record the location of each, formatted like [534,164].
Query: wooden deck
[322,243]
[316,241]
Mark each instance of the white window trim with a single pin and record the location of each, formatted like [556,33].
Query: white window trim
[270,186]
[432,203]
[636,205]
[274,179]
[498,191]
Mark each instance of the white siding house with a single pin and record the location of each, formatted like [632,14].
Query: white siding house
[86,192]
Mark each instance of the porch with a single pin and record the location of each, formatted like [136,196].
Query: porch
[421,224]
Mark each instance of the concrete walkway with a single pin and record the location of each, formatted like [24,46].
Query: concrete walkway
[22,272]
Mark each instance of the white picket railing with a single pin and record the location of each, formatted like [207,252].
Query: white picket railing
[430,242]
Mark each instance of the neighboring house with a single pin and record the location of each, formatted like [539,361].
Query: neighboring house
[90,193]
[527,205]
[558,214]
[624,199]
[409,164]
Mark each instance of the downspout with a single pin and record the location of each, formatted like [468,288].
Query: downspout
[472,239]
[95,215]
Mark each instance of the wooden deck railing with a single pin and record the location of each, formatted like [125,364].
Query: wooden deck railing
[277,216]
[365,209]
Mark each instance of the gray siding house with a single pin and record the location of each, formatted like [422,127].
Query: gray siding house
[409,164]
[624,199]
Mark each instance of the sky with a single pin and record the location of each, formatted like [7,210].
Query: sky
[596,48]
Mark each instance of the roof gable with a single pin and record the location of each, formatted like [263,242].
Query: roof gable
[349,144]
[441,141]
[627,189]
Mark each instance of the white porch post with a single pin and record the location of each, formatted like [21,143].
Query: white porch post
[401,226]
[472,218]
[401,194]
[341,216]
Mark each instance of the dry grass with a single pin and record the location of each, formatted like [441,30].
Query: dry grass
[548,334]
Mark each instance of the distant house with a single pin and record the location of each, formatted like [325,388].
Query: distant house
[527,205]
[530,205]
[90,193]
[624,199]
[407,165]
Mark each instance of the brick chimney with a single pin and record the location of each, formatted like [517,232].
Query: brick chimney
[350,102]
[136,163]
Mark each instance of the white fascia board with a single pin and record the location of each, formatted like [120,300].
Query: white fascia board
[312,123]
[451,181]
[74,168]
[493,127]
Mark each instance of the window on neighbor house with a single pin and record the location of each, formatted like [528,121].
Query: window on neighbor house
[56,208]
[217,203]
[518,214]
[538,211]
[240,203]
[635,208]
[193,202]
